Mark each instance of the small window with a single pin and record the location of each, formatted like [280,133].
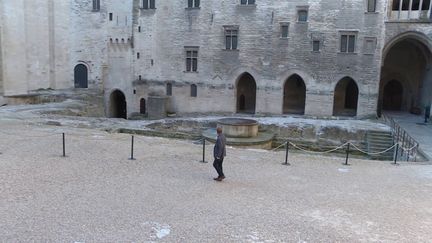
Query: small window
[231,38]
[191,60]
[247,2]
[302,16]
[369,45]
[284,31]
[138,55]
[169,89]
[96,5]
[149,4]
[316,46]
[371,6]
[143,107]
[348,43]
[193,3]
[110,16]
[139,28]
[194,91]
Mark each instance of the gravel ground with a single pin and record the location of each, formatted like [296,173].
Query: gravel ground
[96,194]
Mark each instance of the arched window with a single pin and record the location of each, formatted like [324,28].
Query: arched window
[194,91]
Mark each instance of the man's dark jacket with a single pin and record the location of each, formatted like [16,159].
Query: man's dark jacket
[219,150]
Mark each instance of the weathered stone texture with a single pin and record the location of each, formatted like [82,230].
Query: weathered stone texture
[42,41]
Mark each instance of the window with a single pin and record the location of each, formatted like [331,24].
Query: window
[148,4]
[231,37]
[139,28]
[193,3]
[138,55]
[347,43]
[169,89]
[371,6]
[302,15]
[191,60]
[369,45]
[110,16]
[316,46]
[247,2]
[284,30]
[194,91]
[96,5]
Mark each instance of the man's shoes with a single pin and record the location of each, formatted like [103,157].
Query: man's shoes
[218,179]
[222,177]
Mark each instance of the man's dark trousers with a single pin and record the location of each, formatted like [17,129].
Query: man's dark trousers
[217,164]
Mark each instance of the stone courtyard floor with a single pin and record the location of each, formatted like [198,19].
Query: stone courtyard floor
[96,194]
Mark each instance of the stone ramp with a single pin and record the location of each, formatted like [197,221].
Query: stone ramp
[414,125]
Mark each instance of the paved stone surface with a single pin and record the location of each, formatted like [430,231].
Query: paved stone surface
[97,195]
[417,129]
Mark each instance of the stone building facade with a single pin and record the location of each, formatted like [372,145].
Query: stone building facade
[313,57]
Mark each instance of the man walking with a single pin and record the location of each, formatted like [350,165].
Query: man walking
[219,153]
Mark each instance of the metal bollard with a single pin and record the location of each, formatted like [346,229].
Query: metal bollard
[347,154]
[64,145]
[203,153]
[396,154]
[132,149]
[286,154]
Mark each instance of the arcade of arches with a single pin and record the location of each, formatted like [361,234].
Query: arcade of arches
[345,98]
[406,78]
[246,94]
[294,95]
[117,107]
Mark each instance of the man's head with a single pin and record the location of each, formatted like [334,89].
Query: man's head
[219,130]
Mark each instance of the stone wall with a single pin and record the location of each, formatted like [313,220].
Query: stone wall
[262,53]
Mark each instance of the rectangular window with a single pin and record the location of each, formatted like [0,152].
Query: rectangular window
[194,90]
[369,45]
[149,4]
[231,38]
[284,31]
[193,3]
[348,43]
[247,2]
[316,46]
[169,89]
[371,6]
[192,61]
[302,15]
[96,5]
[110,16]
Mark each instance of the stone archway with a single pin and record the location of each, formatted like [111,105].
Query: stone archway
[406,75]
[118,105]
[246,94]
[392,96]
[294,95]
[346,98]
[81,76]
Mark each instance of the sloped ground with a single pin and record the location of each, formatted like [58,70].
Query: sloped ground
[97,195]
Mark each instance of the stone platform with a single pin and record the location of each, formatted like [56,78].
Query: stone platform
[263,140]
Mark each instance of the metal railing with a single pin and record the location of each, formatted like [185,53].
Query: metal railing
[408,145]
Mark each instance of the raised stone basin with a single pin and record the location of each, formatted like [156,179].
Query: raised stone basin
[239,127]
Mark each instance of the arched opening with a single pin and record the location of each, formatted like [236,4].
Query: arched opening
[345,98]
[294,96]
[246,94]
[143,108]
[118,105]
[406,76]
[392,96]
[81,76]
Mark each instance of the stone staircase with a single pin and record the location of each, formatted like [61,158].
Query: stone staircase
[378,141]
